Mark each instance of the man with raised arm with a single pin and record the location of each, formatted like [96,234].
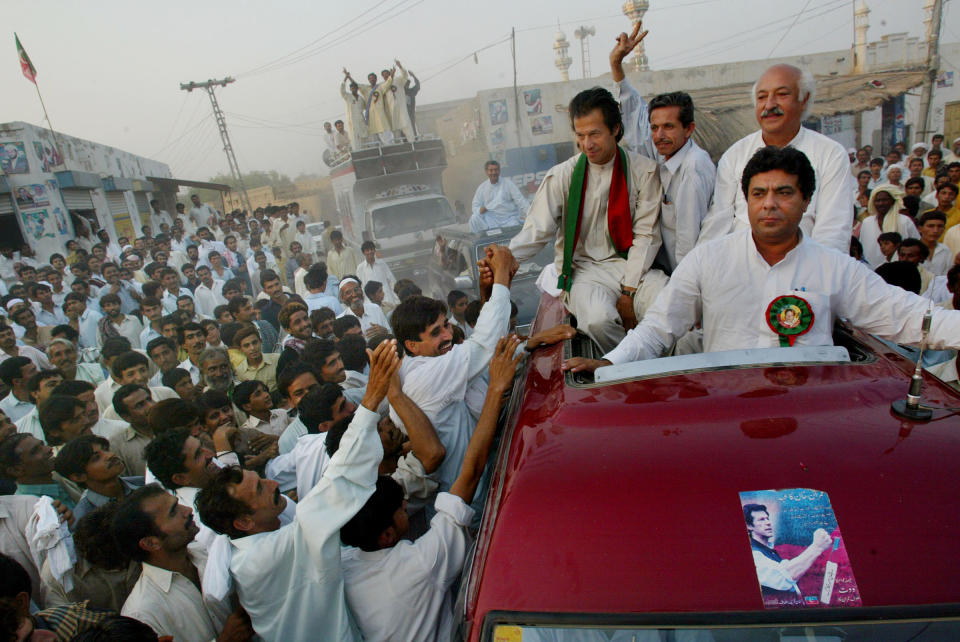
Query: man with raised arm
[289,579]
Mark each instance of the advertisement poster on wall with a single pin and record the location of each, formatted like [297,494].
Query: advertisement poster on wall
[531,98]
[13,158]
[30,196]
[498,111]
[541,125]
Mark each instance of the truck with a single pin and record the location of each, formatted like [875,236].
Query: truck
[393,195]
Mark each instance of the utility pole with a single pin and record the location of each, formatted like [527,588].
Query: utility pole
[581,34]
[210,85]
[935,8]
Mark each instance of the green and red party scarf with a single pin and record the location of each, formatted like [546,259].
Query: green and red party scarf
[789,316]
[619,220]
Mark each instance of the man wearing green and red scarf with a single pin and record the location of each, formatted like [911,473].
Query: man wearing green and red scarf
[601,209]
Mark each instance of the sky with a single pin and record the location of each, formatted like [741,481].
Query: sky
[110,70]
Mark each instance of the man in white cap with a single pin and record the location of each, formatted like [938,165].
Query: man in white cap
[954,155]
[919,150]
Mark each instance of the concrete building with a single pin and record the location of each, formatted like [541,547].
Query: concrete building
[49,189]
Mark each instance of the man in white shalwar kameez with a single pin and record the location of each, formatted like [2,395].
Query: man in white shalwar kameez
[397,106]
[598,277]
[497,203]
[783,97]
[289,579]
[355,108]
[772,285]
[373,269]
[374,104]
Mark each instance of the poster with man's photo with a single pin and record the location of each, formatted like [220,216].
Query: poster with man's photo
[498,111]
[798,551]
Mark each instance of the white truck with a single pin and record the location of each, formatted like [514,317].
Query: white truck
[393,195]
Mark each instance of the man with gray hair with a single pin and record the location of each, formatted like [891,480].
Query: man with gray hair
[783,97]
[216,373]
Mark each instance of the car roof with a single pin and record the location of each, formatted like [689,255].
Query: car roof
[624,498]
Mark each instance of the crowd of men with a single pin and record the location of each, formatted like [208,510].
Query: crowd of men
[223,428]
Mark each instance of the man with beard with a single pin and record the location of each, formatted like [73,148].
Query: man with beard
[782,97]
[215,370]
[152,527]
[117,324]
[351,296]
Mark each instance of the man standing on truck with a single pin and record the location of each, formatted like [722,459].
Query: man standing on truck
[374,96]
[497,204]
[601,209]
[355,106]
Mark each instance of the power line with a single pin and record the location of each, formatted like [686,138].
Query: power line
[797,17]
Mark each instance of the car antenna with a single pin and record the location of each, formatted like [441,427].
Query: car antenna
[910,407]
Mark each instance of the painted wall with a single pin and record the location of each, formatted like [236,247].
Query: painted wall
[44,220]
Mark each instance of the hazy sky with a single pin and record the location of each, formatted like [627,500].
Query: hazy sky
[110,70]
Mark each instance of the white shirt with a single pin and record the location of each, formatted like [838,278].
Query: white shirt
[279,420]
[439,384]
[172,605]
[169,301]
[16,513]
[14,408]
[50,318]
[104,394]
[344,262]
[870,231]
[372,315]
[544,222]
[90,372]
[317,300]
[158,217]
[829,216]
[208,298]
[731,302]
[382,273]
[404,592]
[88,328]
[194,371]
[305,239]
[34,354]
[688,177]
[30,424]
[505,205]
[289,580]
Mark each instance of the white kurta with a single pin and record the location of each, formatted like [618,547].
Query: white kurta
[870,231]
[940,262]
[397,102]
[505,206]
[439,384]
[382,273]
[378,120]
[289,580]
[829,217]
[598,271]
[372,315]
[208,298]
[403,592]
[343,262]
[731,302]
[355,122]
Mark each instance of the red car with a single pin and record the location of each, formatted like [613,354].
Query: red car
[624,510]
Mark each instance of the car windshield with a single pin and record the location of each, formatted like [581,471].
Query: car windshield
[413,216]
[842,632]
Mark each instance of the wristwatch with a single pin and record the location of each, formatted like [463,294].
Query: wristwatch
[625,292]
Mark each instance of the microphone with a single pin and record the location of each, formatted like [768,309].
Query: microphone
[910,407]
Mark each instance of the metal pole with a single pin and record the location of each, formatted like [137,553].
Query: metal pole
[516,94]
[56,139]
[933,63]
[210,86]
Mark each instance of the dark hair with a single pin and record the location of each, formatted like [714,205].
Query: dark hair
[953,276]
[156,342]
[290,373]
[931,215]
[950,186]
[8,451]
[750,509]
[66,331]
[916,180]
[490,163]
[218,507]
[316,407]
[368,245]
[911,204]
[335,434]
[598,98]
[171,414]
[219,311]
[114,347]
[903,274]
[472,313]
[892,237]
[364,529]
[229,331]
[288,310]
[164,456]
[786,159]
[316,276]
[53,412]
[411,318]
[211,400]
[370,288]
[336,235]
[117,628]
[73,387]
[14,579]
[911,242]
[131,523]
[172,377]
[33,383]
[76,453]
[679,99]
[353,351]
[321,315]
[94,540]
[316,352]
[268,275]
[342,325]
[245,390]
[128,360]
[124,391]
[236,303]
[11,368]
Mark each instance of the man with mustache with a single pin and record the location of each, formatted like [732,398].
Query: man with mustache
[152,527]
[88,462]
[783,97]
[663,131]
[370,314]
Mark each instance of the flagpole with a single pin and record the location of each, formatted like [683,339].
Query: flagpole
[31,74]
[56,139]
